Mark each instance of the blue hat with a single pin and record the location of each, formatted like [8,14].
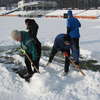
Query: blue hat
[70,13]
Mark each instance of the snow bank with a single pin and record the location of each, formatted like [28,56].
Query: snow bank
[84,13]
[61,12]
[90,13]
[86,53]
[49,85]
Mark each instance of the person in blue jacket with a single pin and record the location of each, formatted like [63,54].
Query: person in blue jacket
[73,25]
[61,43]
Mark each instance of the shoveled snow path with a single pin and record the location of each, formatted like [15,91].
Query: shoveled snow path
[49,85]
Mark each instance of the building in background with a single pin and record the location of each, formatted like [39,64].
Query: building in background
[81,4]
[37,5]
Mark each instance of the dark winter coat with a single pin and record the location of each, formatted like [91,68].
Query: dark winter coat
[59,44]
[32,27]
[28,45]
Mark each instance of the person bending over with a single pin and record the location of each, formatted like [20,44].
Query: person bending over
[61,43]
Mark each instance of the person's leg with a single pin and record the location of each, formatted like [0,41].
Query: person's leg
[36,63]
[67,63]
[52,54]
[75,49]
[28,65]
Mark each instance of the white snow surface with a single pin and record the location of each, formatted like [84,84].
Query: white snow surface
[49,28]
[50,84]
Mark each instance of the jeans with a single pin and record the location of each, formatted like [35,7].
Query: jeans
[75,49]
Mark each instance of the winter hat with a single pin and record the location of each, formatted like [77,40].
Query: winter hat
[30,21]
[70,13]
[15,34]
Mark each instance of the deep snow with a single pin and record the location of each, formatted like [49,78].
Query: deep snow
[50,84]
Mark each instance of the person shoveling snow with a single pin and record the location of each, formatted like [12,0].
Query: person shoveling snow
[30,51]
[62,43]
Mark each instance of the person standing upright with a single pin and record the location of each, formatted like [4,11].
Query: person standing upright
[32,28]
[73,25]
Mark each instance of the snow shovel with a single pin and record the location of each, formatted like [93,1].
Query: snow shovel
[24,52]
[75,65]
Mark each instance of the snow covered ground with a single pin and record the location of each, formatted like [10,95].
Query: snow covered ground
[49,28]
[50,85]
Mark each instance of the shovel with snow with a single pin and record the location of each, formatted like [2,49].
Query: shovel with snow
[24,52]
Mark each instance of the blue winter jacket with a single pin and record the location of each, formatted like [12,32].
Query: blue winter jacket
[59,43]
[73,24]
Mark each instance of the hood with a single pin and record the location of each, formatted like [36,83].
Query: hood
[70,13]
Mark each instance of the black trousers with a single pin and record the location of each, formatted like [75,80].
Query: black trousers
[36,62]
[67,62]
[28,65]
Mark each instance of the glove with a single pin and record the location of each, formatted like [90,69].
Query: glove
[65,54]
[22,52]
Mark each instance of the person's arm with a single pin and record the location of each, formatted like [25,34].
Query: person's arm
[53,53]
[34,30]
[68,30]
[79,24]
[68,26]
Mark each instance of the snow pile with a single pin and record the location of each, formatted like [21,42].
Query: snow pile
[49,85]
[95,13]
[90,13]
[61,12]
[86,53]
[3,11]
